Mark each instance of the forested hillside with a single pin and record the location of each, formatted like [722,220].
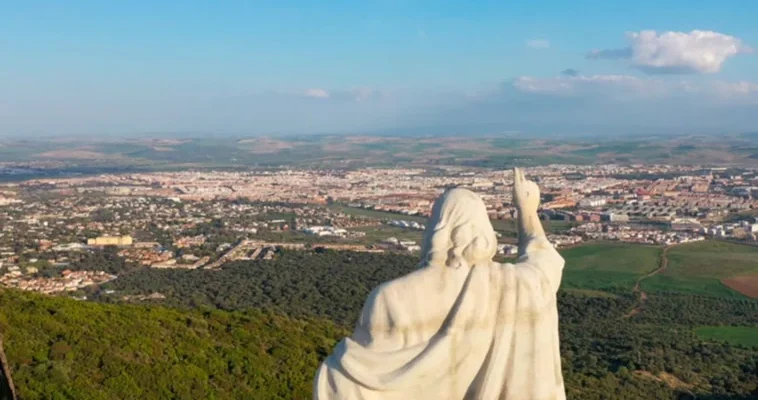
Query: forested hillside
[259,329]
[331,284]
[64,349]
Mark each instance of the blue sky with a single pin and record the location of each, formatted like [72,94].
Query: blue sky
[245,68]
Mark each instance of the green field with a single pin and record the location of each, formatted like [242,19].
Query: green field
[590,293]
[697,268]
[508,227]
[375,234]
[739,335]
[606,266]
[377,214]
[689,285]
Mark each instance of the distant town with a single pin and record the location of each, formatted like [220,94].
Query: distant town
[56,231]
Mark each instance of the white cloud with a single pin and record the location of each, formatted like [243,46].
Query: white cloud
[676,52]
[578,84]
[737,88]
[317,93]
[542,85]
[602,104]
[628,89]
[356,94]
[735,93]
[538,43]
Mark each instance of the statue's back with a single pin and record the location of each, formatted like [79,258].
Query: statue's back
[462,326]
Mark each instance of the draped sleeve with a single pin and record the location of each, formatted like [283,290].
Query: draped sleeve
[375,322]
[541,262]
[524,358]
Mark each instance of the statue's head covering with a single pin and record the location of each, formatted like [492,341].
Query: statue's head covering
[459,232]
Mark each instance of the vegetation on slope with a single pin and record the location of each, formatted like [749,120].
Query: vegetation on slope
[76,349]
[63,349]
[330,284]
[334,284]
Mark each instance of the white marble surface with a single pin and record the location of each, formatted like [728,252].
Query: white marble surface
[461,326]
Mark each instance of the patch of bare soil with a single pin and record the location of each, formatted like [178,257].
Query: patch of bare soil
[338,147]
[670,380]
[565,148]
[75,154]
[367,139]
[265,145]
[674,382]
[747,285]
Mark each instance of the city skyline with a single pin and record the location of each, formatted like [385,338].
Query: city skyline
[266,68]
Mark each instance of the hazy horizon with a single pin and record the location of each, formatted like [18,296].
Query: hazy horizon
[422,132]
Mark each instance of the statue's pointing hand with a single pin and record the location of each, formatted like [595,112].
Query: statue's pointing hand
[526,194]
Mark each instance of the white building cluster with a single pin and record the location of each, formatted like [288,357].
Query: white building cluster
[69,281]
[407,224]
[326,231]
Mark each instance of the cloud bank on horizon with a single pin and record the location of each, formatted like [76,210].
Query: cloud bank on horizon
[668,97]
[394,67]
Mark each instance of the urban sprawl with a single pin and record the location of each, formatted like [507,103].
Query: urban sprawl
[49,228]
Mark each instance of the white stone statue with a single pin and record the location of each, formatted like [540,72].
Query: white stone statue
[461,326]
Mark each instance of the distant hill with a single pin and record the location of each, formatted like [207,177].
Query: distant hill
[352,151]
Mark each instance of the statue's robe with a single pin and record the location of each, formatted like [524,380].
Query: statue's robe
[487,331]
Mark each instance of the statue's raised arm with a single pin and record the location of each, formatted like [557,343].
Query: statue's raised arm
[526,198]
[534,248]
[461,326]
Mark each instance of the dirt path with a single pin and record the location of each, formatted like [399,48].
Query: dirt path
[664,262]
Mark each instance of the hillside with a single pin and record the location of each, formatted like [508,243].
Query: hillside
[65,349]
[93,156]
[61,348]
[258,329]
